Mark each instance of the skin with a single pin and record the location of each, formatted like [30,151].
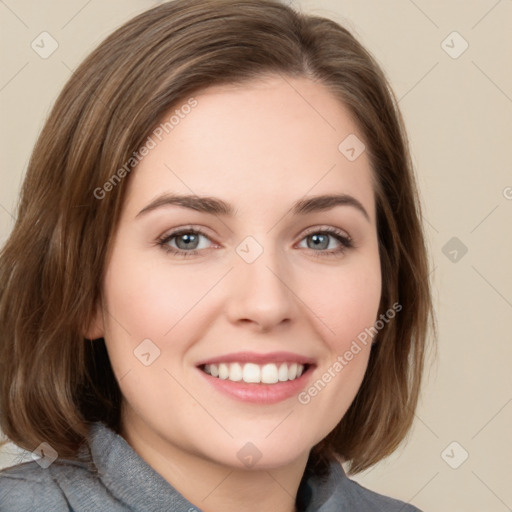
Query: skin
[260,147]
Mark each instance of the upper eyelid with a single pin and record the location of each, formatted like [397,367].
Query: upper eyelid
[186,229]
[329,229]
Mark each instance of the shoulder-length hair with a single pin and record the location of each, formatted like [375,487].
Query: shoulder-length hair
[53,381]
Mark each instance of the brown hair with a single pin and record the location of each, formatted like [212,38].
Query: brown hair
[53,382]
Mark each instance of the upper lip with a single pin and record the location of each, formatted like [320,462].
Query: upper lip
[254,357]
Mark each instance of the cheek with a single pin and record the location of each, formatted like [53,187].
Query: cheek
[148,300]
[347,305]
[144,301]
[347,302]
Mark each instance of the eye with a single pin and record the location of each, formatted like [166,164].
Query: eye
[321,238]
[187,242]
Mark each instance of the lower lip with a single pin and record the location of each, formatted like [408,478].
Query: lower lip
[260,393]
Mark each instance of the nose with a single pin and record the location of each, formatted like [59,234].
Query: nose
[261,292]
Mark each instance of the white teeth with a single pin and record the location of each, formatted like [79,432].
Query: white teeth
[283,372]
[223,371]
[235,372]
[253,373]
[269,374]
[292,371]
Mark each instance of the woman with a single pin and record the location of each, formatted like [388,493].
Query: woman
[217,286]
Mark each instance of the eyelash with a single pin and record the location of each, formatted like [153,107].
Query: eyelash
[345,241]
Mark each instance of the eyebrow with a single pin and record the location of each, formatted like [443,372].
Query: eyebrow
[216,206]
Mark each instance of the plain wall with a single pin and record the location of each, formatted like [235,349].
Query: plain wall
[458,113]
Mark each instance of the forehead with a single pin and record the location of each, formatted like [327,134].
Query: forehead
[274,139]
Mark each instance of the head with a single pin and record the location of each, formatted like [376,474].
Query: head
[257,105]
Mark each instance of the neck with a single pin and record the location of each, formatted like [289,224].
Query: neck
[213,486]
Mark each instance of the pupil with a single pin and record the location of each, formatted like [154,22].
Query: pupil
[317,240]
[188,239]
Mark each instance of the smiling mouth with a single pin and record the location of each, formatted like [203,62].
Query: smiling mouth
[252,373]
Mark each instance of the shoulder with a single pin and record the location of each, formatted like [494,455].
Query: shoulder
[370,500]
[347,494]
[27,487]
[30,487]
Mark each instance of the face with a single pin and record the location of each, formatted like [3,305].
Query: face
[204,300]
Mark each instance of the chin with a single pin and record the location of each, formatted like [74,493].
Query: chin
[261,454]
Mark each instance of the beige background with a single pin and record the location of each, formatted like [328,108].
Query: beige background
[458,113]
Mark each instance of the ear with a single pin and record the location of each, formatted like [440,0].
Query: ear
[95,328]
